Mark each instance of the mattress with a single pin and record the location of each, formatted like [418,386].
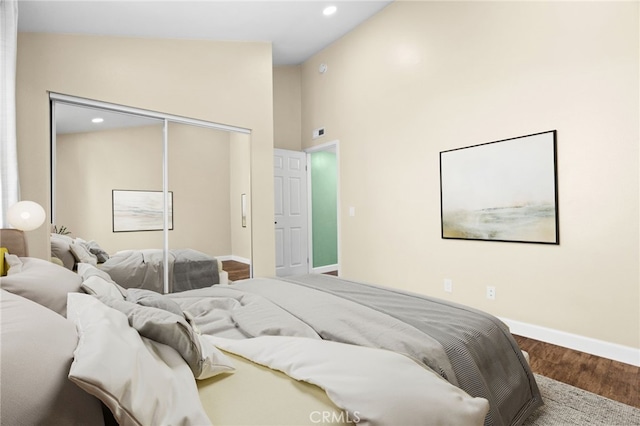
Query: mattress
[258,395]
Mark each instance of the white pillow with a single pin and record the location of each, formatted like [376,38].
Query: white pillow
[374,386]
[14,262]
[141,381]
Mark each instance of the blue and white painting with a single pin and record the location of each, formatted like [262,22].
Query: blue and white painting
[501,191]
[140,210]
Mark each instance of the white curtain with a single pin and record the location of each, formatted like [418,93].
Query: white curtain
[9,187]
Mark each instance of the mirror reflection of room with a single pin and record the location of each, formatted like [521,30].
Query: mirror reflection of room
[208,173]
[95,163]
[123,152]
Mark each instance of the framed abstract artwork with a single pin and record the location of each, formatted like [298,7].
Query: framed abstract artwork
[140,210]
[501,191]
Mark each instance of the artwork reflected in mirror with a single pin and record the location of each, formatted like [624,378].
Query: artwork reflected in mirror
[135,211]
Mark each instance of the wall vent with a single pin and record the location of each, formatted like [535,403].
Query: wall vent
[319,132]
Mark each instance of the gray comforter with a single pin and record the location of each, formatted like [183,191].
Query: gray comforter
[188,269]
[471,349]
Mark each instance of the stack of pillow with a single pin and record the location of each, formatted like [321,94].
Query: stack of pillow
[71,251]
[131,349]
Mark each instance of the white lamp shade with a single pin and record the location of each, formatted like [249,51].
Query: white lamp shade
[26,215]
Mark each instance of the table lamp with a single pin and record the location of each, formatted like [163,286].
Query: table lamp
[26,215]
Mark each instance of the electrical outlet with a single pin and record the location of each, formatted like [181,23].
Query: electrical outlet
[448,285]
[491,292]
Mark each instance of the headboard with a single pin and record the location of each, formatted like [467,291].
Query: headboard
[15,241]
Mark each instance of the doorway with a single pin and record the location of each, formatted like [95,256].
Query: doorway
[307,206]
[291,212]
[324,217]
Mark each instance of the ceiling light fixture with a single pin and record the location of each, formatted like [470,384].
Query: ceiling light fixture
[329,10]
[97,120]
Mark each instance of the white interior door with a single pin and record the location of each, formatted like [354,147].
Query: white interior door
[290,188]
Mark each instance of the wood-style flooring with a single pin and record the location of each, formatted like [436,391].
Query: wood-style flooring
[611,379]
[236,270]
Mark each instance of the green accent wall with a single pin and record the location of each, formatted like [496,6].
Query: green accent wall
[324,206]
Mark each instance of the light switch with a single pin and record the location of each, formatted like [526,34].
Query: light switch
[352,211]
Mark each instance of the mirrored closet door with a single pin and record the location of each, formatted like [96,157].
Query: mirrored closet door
[208,173]
[132,179]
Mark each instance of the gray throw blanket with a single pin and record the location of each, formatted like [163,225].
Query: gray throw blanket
[188,269]
[485,356]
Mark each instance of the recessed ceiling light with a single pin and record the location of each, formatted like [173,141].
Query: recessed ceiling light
[329,10]
[97,120]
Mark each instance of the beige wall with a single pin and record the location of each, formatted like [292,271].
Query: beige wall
[423,77]
[287,107]
[240,159]
[223,82]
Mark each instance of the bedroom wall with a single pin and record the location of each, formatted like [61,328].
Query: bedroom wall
[287,110]
[240,161]
[422,77]
[224,82]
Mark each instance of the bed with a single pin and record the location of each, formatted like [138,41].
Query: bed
[303,350]
[188,268]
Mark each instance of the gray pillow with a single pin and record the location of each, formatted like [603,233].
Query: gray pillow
[96,250]
[36,352]
[60,248]
[43,282]
[82,253]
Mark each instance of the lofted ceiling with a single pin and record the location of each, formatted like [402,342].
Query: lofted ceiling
[296,29]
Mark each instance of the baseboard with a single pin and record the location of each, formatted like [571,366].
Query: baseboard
[324,269]
[614,351]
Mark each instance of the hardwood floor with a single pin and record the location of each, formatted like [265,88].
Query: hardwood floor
[611,379]
[236,270]
[240,271]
